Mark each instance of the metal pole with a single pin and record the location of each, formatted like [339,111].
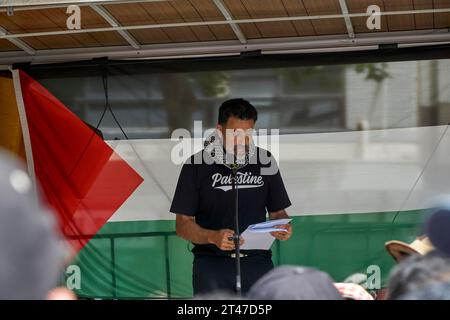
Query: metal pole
[237,31]
[168,280]
[212,23]
[113,22]
[113,268]
[236,232]
[347,20]
[46,4]
[365,41]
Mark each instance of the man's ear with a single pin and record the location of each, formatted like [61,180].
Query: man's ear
[220,129]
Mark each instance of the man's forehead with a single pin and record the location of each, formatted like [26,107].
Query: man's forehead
[236,123]
[239,132]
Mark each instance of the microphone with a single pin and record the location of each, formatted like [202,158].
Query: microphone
[214,146]
[234,166]
[242,161]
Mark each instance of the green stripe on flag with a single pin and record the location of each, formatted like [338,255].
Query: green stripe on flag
[145,259]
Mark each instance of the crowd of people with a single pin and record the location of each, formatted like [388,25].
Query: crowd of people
[33,255]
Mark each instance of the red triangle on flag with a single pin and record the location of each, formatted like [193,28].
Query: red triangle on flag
[80,175]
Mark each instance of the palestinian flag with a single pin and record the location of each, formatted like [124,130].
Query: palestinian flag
[350,191]
[80,176]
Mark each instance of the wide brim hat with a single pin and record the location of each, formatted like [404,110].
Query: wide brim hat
[400,250]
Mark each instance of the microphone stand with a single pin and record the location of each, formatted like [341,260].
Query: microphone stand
[236,237]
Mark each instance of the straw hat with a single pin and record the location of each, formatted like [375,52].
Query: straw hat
[400,250]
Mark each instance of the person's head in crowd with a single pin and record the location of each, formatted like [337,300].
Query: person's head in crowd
[400,250]
[294,283]
[61,293]
[437,226]
[418,272]
[434,291]
[352,291]
[30,248]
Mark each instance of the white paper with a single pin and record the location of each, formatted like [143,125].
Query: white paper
[257,236]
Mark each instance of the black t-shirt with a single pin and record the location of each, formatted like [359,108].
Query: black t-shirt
[204,192]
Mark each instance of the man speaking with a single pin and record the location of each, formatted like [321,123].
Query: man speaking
[203,203]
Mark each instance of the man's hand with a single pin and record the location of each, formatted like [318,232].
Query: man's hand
[282,235]
[223,239]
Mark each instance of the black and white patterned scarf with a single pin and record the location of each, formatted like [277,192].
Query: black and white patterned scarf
[214,147]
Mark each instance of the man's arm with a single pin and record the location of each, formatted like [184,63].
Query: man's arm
[281,214]
[188,229]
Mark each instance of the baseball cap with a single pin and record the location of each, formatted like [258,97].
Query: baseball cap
[437,226]
[294,283]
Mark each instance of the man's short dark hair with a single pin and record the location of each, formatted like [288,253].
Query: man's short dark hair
[238,108]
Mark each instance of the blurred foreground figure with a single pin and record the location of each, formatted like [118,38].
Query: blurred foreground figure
[294,283]
[418,273]
[352,291]
[436,291]
[437,227]
[30,249]
[61,293]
